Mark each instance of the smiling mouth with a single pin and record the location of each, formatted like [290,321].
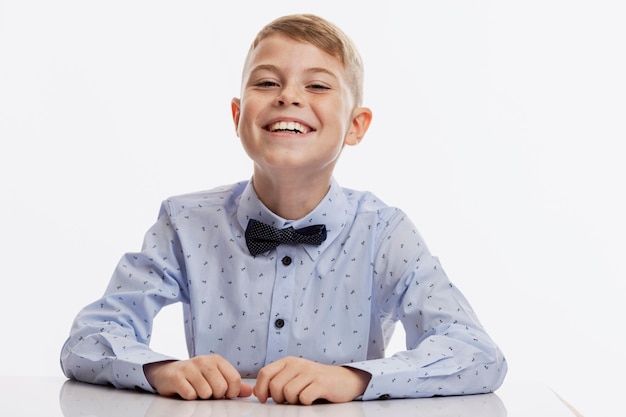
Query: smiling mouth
[291,127]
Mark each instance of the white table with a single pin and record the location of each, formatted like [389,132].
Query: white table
[52,397]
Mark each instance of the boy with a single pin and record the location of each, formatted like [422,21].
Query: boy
[288,278]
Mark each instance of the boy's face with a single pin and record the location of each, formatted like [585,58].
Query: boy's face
[296,109]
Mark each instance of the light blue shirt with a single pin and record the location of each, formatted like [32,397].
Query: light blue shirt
[336,303]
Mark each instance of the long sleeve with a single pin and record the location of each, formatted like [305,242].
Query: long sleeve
[109,339]
[335,303]
[448,351]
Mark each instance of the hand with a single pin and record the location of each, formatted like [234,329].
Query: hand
[300,381]
[207,376]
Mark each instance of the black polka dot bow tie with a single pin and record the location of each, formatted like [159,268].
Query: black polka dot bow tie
[261,237]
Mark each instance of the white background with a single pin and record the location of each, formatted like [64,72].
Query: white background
[498,126]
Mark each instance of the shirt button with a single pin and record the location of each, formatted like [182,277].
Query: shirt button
[279,323]
[286,260]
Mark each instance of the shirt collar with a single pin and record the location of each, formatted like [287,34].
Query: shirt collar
[331,211]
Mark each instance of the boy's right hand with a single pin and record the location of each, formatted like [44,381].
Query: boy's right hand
[204,377]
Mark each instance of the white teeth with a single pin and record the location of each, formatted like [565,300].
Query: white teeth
[289,126]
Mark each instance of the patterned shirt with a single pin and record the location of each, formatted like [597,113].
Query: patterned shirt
[336,303]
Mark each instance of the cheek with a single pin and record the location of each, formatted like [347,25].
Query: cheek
[244,120]
[344,115]
[250,112]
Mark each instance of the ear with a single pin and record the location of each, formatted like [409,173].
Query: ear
[361,119]
[235,108]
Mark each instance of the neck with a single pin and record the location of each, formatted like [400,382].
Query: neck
[291,197]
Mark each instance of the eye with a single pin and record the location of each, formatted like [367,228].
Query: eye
[266,84]
[318,87]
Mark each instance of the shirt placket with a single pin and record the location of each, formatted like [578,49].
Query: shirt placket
[281,312]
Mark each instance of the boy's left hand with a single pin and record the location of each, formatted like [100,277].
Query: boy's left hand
[300,381]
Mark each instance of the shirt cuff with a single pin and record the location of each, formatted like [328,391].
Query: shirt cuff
[389,379]
[128,369]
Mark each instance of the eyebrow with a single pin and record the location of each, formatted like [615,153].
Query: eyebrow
[274,68]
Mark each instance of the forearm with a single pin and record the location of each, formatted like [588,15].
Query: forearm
[451,362]
[107,357]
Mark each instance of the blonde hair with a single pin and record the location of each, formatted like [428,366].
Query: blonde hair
[324,35]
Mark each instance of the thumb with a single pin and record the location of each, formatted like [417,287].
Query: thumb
[245,390]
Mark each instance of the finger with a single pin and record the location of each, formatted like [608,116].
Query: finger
[293,390]
[218,387]
[231,378]
[279,385]
[261,388]
[311,393]
[200,384]
[245,390]
[187,391]
[180,387]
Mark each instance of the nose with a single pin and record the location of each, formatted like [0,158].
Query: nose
[288,96]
